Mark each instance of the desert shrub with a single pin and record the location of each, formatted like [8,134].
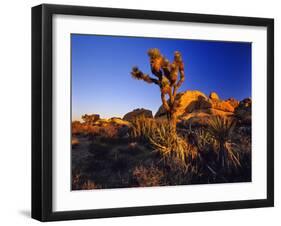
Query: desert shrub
[148,176]
[109,131]
[81,181]
[176,174]
[82,128]
[74,141]
[91,130]
[89,185]
[77,127]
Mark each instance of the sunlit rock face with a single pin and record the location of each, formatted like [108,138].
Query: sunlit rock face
[187,102]
[197,107]
[214,96]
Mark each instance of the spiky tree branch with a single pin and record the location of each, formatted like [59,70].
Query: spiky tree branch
[137,74]
[166,74]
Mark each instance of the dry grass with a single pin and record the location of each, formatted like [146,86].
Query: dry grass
[154,154]
[89,185]
[80,181]
[107,130]
[148,176]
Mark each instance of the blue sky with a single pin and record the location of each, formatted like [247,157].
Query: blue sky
[101,66]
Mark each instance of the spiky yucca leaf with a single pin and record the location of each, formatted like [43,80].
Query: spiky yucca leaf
[170,145]
[142,127]
[164,139]
[203,138]
[221,128]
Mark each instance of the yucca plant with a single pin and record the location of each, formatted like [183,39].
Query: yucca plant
[142,128]
[172,146]
[164,139]
[221,129]
[203,138]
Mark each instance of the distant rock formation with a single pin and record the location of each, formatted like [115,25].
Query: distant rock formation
[90,119]
[138,113]
[113,121]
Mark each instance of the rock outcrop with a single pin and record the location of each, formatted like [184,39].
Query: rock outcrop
[214,96]
[113,121]
[197,107]
[244,111]
[221,105]
[233,102]
[188,102]
[90,119]
[140,112]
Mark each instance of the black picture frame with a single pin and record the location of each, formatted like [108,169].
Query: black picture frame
[42,111]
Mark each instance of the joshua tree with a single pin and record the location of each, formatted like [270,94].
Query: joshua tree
[166,77]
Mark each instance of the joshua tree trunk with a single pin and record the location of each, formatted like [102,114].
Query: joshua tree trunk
[173,121]
[170,111]
[166,74]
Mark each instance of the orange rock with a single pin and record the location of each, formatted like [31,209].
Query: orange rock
[221,105]
[233,102]
[214,96]
[196,101]
[187,102]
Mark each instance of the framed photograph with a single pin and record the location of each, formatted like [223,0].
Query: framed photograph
[146,112]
